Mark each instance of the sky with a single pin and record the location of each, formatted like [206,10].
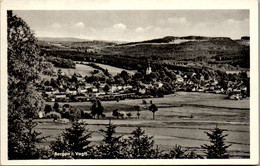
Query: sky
[136,25]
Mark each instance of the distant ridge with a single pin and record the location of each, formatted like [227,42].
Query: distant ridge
[72,39]
[170,39]
[61,39]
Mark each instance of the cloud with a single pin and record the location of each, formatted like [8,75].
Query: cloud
[79,25]
[139,29]
[157,29]
[119,26]
[180,20]
[56,25]
[233,22]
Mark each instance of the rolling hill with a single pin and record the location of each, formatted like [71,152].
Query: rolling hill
[196,49]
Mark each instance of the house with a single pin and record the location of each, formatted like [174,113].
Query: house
[88,86]
[48,93]
[60,97]
[235,97]
[219,91]
[71,91]
[119,87]
[95,90]
[201,89]
[142,91]
[41,114]
[113,89]
[82,89]
[128,87]
[56,92]
[100,93]
[229,90]
[160,84]
[202,78]
[179,78]
[215,82]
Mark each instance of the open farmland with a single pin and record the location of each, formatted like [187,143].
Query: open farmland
[85,70]
[81,69]
[112,70]
[178,121]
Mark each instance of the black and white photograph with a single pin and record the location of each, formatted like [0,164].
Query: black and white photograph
[112,83]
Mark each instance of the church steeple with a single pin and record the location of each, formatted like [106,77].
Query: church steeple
[149,69]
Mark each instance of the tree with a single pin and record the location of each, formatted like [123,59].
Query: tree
[125,76]
[138,76]
[74,78]
[140,146]
[54,83]
[144,102]
[137,108]
[129,114]
[47,108]
[217,149]
[24,66]
[56,107]
[25,140]
[111,146]
[106,88]
[116,113]
[120,81]
[179,153]
[73,140]
[97,109]
[153,108]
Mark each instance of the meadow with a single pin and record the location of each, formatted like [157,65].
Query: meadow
[182,119]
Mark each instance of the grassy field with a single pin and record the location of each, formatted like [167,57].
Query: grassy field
[112,70]
[182,119]
[83,70]
[115,70]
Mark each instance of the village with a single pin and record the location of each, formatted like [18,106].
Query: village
[101,85]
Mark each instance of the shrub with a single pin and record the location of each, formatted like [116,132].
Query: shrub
[53,115]
[129,114]
[47,108]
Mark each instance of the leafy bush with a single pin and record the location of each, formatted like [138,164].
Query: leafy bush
[60,62]
[53,115]
[72,113]
[129,114]
[47,108]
